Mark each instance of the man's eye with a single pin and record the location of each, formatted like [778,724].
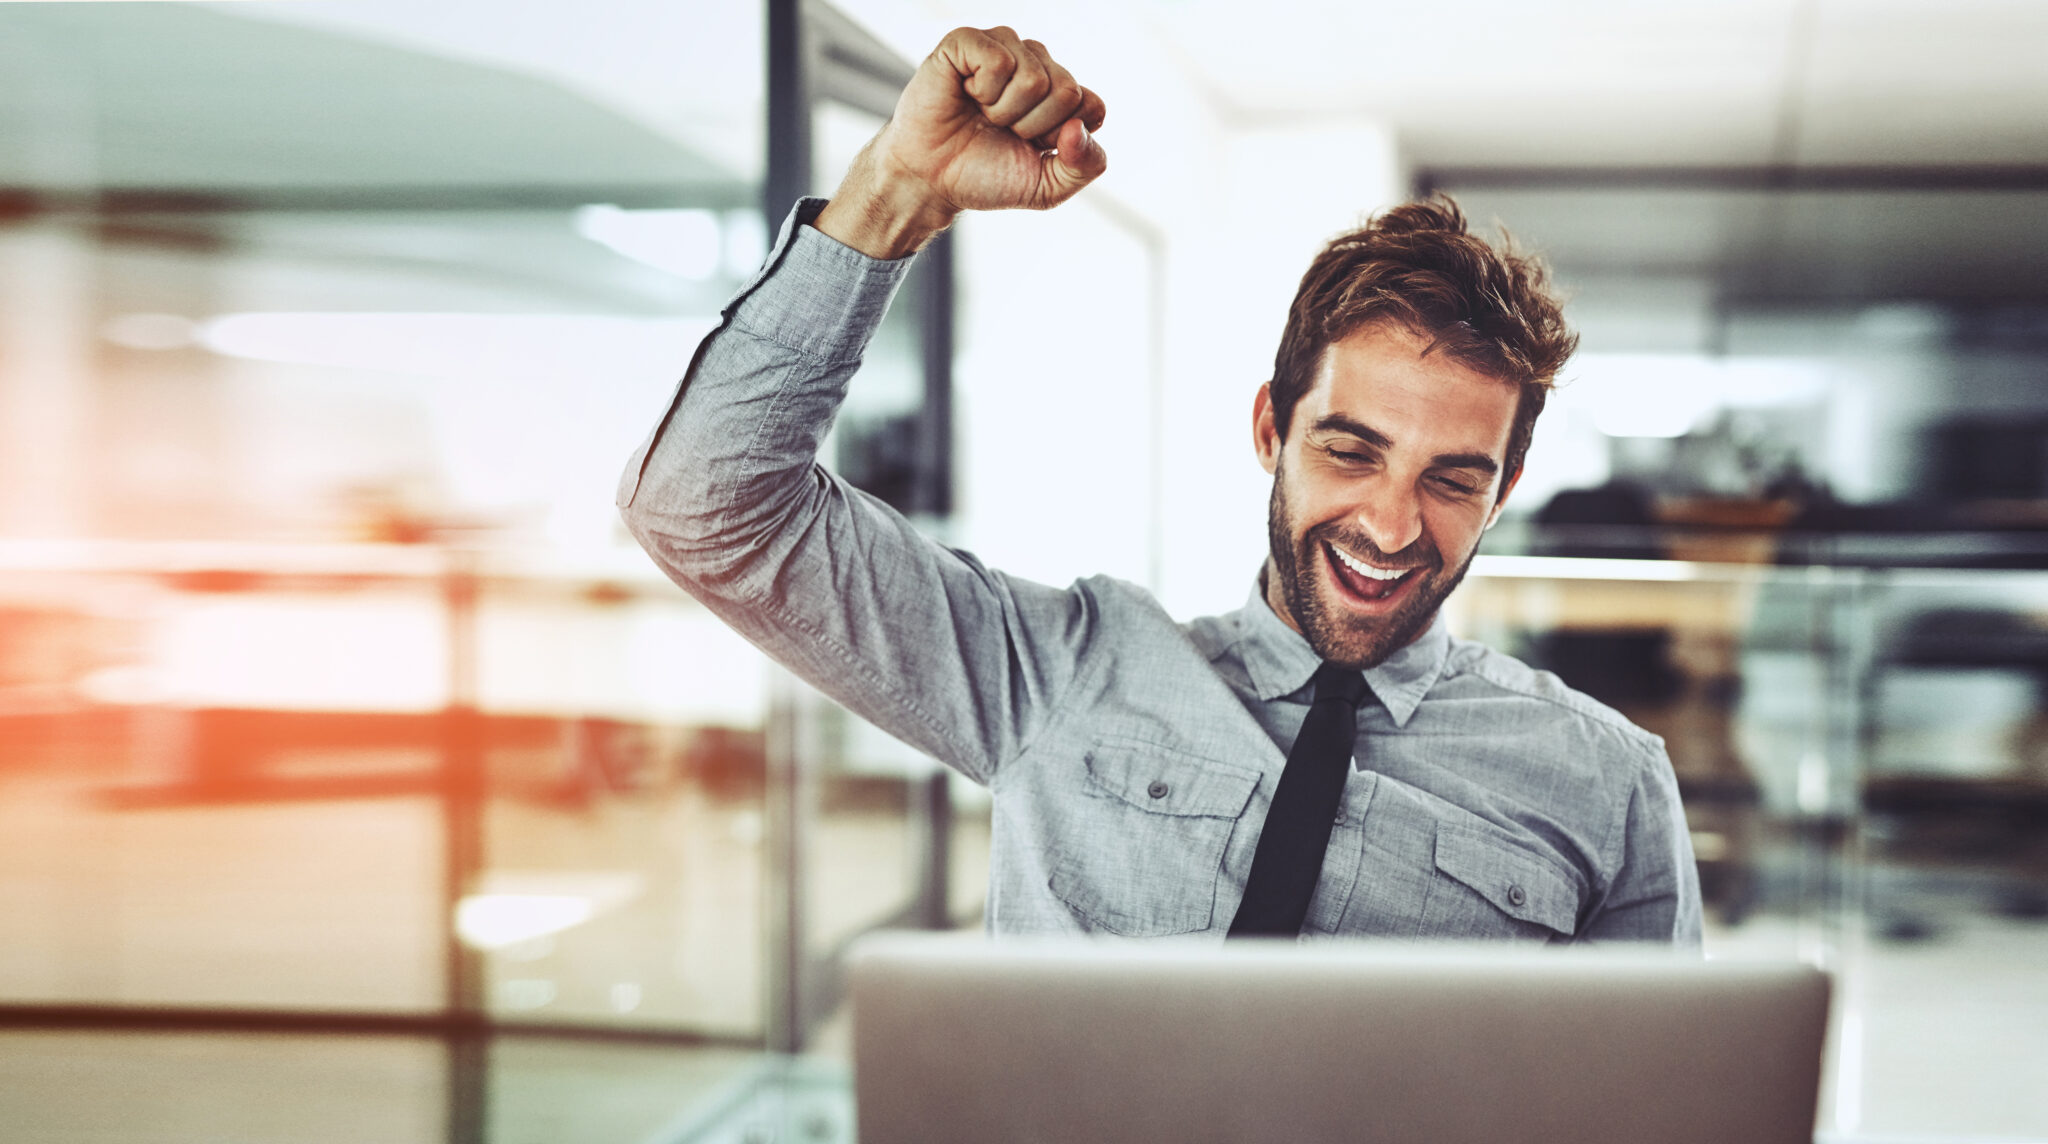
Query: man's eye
[1349,458]
[1458,487]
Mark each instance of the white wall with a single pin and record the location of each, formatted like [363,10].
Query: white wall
[1055,395]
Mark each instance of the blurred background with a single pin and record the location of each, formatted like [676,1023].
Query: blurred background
[360,780]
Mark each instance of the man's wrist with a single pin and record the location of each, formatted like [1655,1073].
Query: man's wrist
[883,217]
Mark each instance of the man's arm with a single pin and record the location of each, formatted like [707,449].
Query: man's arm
[1655,895]
[727,495]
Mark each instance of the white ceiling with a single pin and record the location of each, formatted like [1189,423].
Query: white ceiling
[1590,82]
[1605,82]
[1633,139]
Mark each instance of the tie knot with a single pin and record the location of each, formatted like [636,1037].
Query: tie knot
[1333,682]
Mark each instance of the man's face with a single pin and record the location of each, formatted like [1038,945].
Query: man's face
[1390,472]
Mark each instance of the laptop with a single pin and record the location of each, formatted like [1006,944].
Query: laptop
[960,1039]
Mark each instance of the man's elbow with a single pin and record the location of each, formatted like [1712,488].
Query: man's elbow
[690,541]
[710,544]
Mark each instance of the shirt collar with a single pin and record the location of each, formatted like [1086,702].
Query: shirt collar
[1280,662]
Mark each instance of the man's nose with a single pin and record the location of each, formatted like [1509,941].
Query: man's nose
[1392,518]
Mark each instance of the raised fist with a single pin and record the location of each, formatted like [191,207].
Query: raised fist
[989,122]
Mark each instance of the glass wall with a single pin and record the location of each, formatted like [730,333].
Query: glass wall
[332,694]
[1785,511]
[1858,749]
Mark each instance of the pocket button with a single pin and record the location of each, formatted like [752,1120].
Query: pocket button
[1517,896]
[1157,789]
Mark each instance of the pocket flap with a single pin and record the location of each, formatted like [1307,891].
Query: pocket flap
[1160,781]
[1518,883]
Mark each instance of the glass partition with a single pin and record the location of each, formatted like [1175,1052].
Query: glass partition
[201,815]
[238,776]
[333,697]
[621,870]
[1859,751]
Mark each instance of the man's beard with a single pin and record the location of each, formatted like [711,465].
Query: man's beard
[1339,637]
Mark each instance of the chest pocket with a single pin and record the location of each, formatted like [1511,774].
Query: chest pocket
[1142,849]
[1430,870]
[1486,887]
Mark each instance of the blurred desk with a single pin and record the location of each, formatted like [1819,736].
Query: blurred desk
[1596,593]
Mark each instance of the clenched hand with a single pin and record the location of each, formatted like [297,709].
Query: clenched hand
[989,122]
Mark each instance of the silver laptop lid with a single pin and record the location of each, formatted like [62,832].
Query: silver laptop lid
[960,1039]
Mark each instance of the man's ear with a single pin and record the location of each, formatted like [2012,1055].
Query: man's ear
[1501,501]
[1265,434]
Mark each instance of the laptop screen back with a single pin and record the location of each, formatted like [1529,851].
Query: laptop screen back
[958,1039]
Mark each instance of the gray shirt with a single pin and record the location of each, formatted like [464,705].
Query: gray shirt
[1132,757]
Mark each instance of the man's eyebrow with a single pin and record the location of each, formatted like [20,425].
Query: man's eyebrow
[1478,461]
[1339,423]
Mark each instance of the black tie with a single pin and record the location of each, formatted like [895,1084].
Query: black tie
[1289,857]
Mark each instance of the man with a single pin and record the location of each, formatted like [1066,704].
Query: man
[1325,760]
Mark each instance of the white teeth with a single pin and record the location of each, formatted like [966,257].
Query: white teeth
[1367,570]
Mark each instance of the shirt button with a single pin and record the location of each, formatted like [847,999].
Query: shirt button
[1340,818]
[1158,789]
[1516,896]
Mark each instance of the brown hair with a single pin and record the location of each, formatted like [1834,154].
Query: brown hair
[1418,266]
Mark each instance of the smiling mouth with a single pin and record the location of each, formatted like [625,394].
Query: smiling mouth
[1367,581]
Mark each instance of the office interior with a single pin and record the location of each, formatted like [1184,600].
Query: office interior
[361,780]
